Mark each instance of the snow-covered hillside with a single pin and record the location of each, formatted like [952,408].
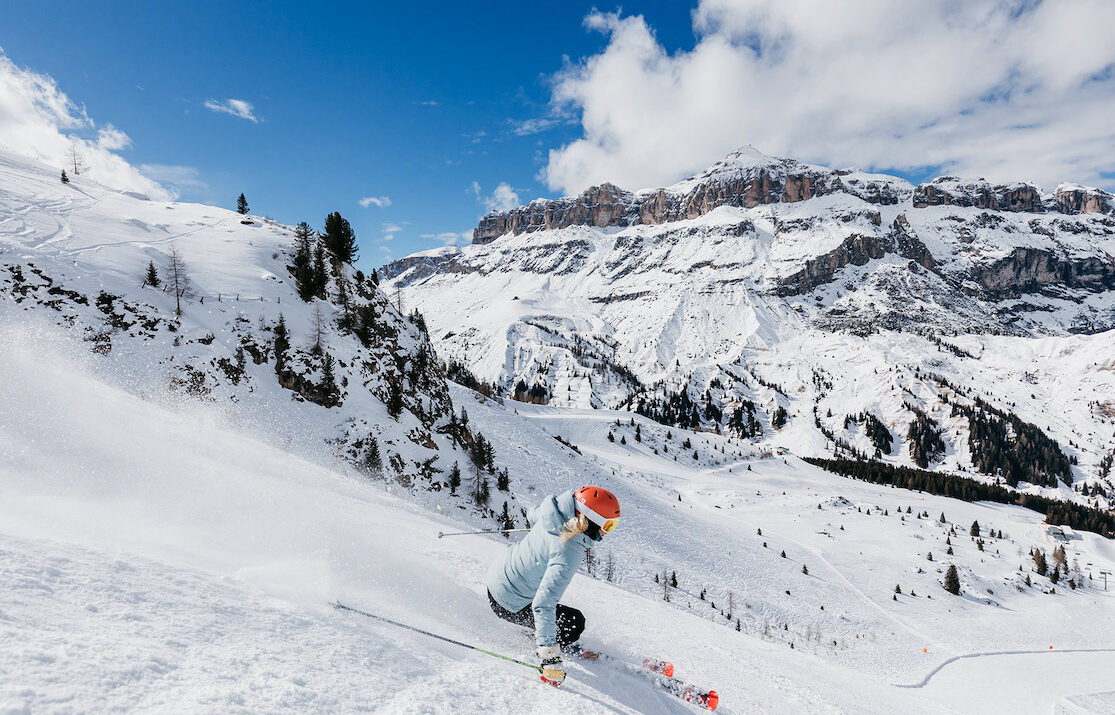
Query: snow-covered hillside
[184,496]
[325,384]
[765,285]
[155,556]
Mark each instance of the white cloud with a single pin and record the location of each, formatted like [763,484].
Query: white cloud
[449,238]
[112,139]
[235,107]
[380,201]
[39,121]
[503,198]
[389,231]
[1009,90]
[535,125]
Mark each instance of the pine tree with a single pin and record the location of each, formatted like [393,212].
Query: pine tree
[674,579]
[454,478]
[320,280]
[395,397]
[1040,564]
[346,321]
[373,462]
[339,238]
[303,268]
[375,277]
[503,480]
[65,179]
[241,205]
[329,381]
[282,344]
[151,278]
[952,581]
[974,531]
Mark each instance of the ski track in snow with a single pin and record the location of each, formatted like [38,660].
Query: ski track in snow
[948,661]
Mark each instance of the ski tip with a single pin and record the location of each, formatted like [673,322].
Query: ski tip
[713,700]
[668,670]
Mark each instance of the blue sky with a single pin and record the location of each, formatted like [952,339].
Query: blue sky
[434,113]
[411,102]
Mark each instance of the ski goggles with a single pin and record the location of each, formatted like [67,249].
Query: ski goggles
[606,525]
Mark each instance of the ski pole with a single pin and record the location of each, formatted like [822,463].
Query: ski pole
[489,531]
[343,607]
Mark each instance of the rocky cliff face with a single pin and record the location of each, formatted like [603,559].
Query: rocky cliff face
[744,180]
[950,191]
[1082,200]
[747,179]
[1032,270]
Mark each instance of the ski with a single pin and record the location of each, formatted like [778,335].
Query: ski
[660,674]
[707,699]
[662,667]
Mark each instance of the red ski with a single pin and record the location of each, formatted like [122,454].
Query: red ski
[660,673]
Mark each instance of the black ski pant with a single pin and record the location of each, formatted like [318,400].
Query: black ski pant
[570,621]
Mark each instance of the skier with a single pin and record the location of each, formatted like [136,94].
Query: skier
[525,583]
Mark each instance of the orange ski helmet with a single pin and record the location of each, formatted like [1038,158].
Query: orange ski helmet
[599,505]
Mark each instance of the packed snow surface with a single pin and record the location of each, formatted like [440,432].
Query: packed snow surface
[155,558]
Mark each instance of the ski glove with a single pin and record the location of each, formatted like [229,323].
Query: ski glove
[553,671]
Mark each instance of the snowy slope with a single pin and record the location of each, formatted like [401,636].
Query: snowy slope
[165,560]
[76,255]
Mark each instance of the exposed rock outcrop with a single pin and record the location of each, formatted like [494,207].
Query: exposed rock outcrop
[1032,270]
[424,265]
[951,191]
[856,250]
[909,245]
[744,179]
[1082,200]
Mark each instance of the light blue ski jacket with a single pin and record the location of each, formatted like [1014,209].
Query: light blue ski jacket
[537,570]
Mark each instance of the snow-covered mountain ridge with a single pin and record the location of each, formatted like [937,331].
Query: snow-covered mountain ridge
[748,178]
[765,290]
[345,379]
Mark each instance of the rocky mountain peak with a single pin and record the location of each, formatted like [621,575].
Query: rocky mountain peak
[747,178]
